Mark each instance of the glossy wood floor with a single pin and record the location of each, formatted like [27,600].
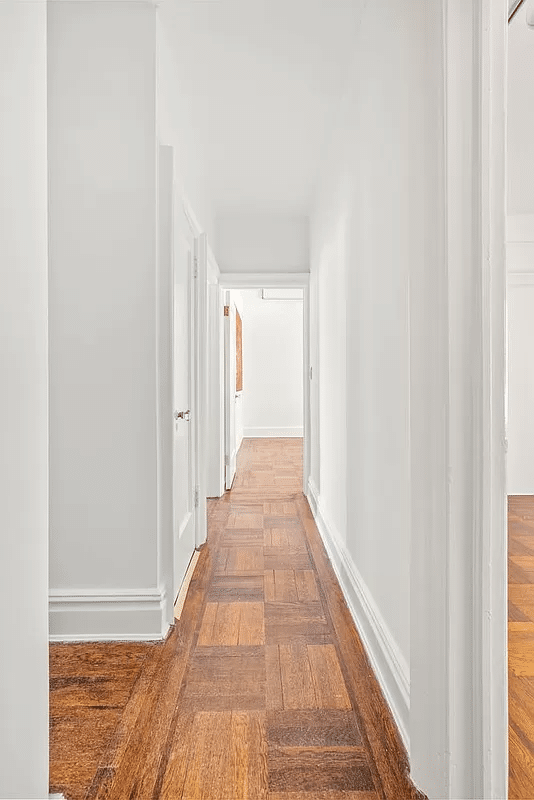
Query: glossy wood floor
[521,646]
[261,692]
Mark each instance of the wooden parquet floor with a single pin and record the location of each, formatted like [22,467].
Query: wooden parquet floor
[262,691]
[521,646]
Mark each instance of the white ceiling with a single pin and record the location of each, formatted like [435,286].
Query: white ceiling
[263,81]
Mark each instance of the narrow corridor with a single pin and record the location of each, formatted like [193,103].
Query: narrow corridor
[261,691]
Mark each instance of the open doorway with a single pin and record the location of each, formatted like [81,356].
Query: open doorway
[266,373]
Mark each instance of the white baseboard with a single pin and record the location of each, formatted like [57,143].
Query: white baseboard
[275,433]
[94,616]
[313,495]
[386,660]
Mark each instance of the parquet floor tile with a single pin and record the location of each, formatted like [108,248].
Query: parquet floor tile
[521,646]
[90,686]
[262,691]
[328,795]
[310,769]
[286,560]
[243,588]
[316,728]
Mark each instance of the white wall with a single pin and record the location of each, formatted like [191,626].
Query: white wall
[406,283]
[175,128]
[315,363]
[361,253]
[272,366]
[113,96]
[102,162]
[520,116]
[328,362]
[520,421]
[262,243]
[23,403]
[520,431]
[520,257]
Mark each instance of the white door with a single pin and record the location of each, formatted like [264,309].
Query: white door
[200,419]
[184,451]
[230,391]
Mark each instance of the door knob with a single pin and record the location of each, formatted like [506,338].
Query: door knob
[186,415]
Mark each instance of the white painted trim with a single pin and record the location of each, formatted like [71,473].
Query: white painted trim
[491,546]
[98,596]
[260,433]
[458,659]
[185,522]
[216,444]
[153,3]
[116,614]
[213,268]
[107,637]
[194,224]
[387,662]
[520,279]
[205,260]
[306,383]
[313,497]
[230,395]
[165,202]
[264,280]
[201,405]
[458,652]
[285,295]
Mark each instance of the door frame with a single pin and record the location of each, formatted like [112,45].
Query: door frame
[199,395]
[229,387]
[165,398]
[491,567]
[289,280]
[458,656]
[486,666]
[180,526]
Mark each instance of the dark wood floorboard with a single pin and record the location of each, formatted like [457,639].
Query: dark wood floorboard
[521,646]
[90,688]
[262,691]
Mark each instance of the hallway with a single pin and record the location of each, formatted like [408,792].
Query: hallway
[262,690]
[156,155]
